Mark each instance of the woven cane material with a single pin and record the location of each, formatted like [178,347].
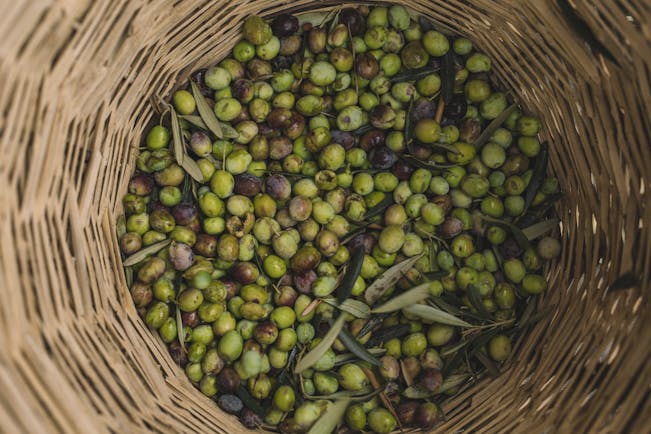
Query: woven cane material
[76,82]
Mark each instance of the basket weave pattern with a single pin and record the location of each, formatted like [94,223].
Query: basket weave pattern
[76,80]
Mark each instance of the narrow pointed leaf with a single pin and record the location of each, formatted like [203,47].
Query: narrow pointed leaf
[477,302]
[489,364]
[493,126]
[340,359]
[430,313]
[519,237]
[409,126]
[379,208]
[431,165]
[448,73]
[206,112]
[195,120]
[386,334]
[389,278]
[354,307]
[180,331]
[537,176]
[413,296]
[249,401]
[319,350]
[365,392]
[372,323]
[356,348]
[142,254]
[353,269]
[536,317]
[190,166]
[539,229]
[330,418]
[445,147]
[436,275]
[413,74]
[121,226]
[449,383]
[177,139]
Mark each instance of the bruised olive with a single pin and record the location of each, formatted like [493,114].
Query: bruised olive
[247,185]
[141,184]
[278,187]
[427,414]
[407,412]
[305,259]
[284,25]
[382,158]
[279,147]
[352,19]
[367,66]
[382,117]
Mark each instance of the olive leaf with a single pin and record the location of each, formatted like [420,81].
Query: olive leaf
[490,365]
[539,229]
[493,126]
[142,254]
[430,313]
[206,112]
[128,276]
[320,349]
[409,126]
[250,401]
[354,307]
[407,298]
[330,418]
[227,131]
[413,74]
[177,139]
[431,165]
[356,348]
[519,237]
[180,331]
[340,359]
[435,275]
[190,166]
[445,147]
[581,28]
[533,318]
[537,176]
[361,395]
[475,298]
[625,281]
[375,321]
[386,334]
[448,73]
[352,273]
[121,226]
[389,278]
[449,383]
[537,212]
[362,130]
[379,208]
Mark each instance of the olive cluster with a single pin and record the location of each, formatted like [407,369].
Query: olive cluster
[341,141]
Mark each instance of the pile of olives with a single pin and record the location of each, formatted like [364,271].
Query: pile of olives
[332,152]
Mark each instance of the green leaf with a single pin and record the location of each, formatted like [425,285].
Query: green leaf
[581,28]
[195,121]
[445,147]
[407,298]
[435,275]
[537,176]
[356,348]
[488,363]
[121,226]
[448,73]
[319,350]
[409,126]
[372,323]
[449,383]
[413,74]
[379,208]
[128,276]
[340,359]
[206,112]
[366,392]
[180,331]
[228,131]
[142,254]
[625,281]
[493,126]
[353,269]
[389,278]
[519,237]
[177,139]
[249,401]
[354,307]
[190,166]
[539,229]
[431,165]
[430,313]
[475,298]
[330,418]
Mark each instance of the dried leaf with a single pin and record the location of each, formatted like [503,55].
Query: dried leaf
[121,226]
[537,176]
[142,254]
[356,348]
[493,126]
[357,308]
[330,418]
[539,229]
[319,350]
[409,380]
[489,364]
[206,112]
[407,298]
[389,278]
[177,139]
[372,323]
[353,269]
[430,313]
[625,281]
[532,318]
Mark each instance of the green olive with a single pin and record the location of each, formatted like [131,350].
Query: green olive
[381,421]
[499,348]
[230,346]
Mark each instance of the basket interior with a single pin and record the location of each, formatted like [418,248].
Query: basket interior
[78,79]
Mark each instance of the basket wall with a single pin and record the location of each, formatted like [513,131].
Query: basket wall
[76,79]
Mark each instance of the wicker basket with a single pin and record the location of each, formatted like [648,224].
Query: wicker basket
[76,77]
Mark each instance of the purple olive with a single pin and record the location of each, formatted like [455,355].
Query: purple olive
[247,184]
[382,158]
[304,281]
[284,25]
[185,213]
[352,19]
